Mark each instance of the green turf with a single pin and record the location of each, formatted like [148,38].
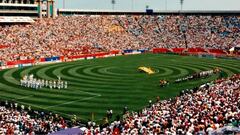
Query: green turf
[98,84]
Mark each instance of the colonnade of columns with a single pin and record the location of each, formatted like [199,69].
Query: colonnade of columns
[49,12]
[50,7]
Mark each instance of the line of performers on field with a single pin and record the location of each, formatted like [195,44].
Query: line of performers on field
[29,81]
[201,74]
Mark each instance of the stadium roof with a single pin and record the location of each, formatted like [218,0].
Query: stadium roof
[154,11]
[13,19]
[18,5]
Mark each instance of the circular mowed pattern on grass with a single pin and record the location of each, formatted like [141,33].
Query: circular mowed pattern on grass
[110,83]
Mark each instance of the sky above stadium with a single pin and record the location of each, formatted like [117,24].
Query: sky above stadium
[140,5]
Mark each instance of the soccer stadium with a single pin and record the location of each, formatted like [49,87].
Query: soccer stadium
[127,68]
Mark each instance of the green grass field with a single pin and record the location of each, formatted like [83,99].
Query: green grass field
[98,84]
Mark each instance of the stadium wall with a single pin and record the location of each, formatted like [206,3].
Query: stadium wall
[154,12]
[56,59]
[199,52]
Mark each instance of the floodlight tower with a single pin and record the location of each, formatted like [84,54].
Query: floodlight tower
[113,4]
[40,2]
[51,8]
[181,2]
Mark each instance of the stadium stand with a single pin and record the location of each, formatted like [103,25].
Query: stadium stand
[76,35]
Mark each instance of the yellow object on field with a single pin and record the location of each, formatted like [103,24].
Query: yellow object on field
[146,70]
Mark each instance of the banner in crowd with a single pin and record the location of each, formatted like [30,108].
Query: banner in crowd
[130,51]
[190,51]
[96,55]
[52,59]
[24,65]
[115,52]
[211,53]
[196,50]
[178,50]
[160,50]
[217,51]
[18,62]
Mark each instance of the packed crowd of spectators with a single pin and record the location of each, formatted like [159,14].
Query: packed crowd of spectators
[75,35]
[19,120]
[200,111]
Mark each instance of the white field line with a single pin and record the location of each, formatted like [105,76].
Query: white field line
[36,106]
[90,93]
[24,97]
[88,98]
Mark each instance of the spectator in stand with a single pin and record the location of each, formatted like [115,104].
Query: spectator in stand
[20,122]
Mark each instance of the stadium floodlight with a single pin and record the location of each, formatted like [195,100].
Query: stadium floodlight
[113,3]
[181,2]
[147,6]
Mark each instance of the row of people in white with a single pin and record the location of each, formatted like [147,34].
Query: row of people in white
[198,75]
[206,73]
[31,82]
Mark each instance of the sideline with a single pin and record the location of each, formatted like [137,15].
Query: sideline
[25,97]
[83,99]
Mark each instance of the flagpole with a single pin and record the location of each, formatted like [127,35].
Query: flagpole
[181,2]
[113,4]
